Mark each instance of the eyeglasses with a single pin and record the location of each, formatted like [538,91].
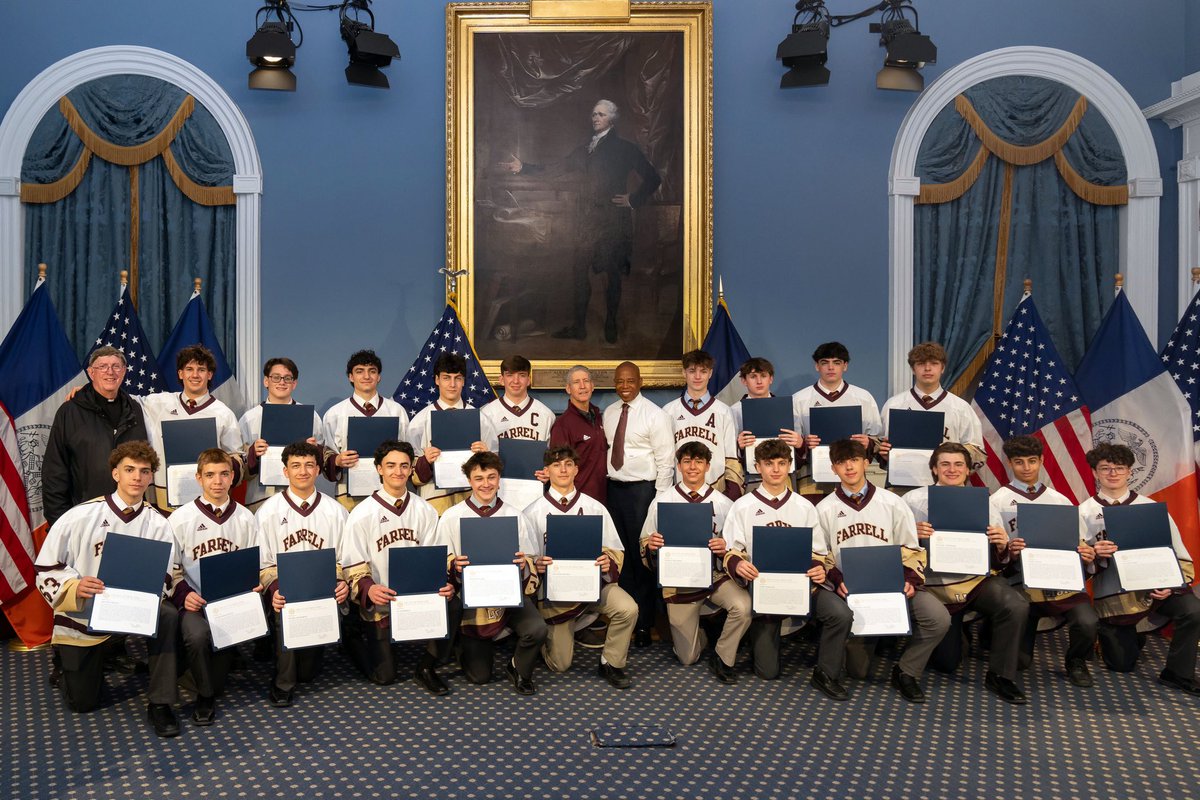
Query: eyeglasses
[283,379]
[108,367]
[1112,470]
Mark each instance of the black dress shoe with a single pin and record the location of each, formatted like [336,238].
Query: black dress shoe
[1008,691]
[163,719]
[1168,678]
[570,332]
[205,711]
[723,671]
[830,685]
[614,675]
[1078,674]
[431,681]
[278,697]
[642,638]
[910,690]
[522,684]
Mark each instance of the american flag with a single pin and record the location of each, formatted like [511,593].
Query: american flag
[1181,357]
[123,330]
[16,538]
[417,389]
[1026,389]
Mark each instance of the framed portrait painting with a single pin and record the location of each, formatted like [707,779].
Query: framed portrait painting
[579,186]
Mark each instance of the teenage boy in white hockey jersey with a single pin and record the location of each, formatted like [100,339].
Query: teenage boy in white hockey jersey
[831,360]
[928,361]
[211,524]
[757,375]
[296,520]
[66,567]
[514,414]
[280,378]
[698,416]
[392,517]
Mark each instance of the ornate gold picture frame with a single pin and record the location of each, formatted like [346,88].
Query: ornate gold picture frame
[579,183]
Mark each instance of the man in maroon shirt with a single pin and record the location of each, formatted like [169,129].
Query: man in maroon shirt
[582,428]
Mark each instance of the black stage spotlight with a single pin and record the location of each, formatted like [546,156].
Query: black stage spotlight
[907,50]
[369,50]
[271,49]
[804,51]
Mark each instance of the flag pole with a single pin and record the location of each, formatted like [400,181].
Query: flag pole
[1119,281]
[1195,275]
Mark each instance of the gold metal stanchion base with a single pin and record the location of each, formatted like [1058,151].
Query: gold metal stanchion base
[17,646]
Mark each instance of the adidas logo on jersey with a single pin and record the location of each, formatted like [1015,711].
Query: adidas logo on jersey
[202,527]
[504,419]
[104,524]
[841,513]
[283,521]
[681,416]
[587,438]
[759,513]
[383,520]
[174,412]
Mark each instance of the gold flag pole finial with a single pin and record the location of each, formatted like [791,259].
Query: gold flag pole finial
[1028,284]
[124,277]
[720,289]
[196,285]
[1195,274]
[1119,280]
[42,271]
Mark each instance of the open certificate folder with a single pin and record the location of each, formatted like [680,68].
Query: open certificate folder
[874,578]
[183,442]
[1050,560]
[783,557]
[307,581]
[134,572]
[766,417]
[234,610]
[416,575]
[491,579]
[574,542]
[959,516]
[522,458]
[830,424]
[363,436]
[282,424]
[453,431]
[913,436]
[684,560]
[1145,559]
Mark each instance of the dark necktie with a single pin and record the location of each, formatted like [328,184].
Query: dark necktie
[618,446]
[695,404]
[565,502]
[693,496]
[926,400]
[128,512]
[304,506]
[1032,488]
[191,404]
[368,409]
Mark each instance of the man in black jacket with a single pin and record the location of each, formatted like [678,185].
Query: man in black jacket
[86,429]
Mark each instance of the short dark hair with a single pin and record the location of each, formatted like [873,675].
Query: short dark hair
[831,350]
[516,364]
[698,358]
[301,450]
[483,460]
[1118,454]
[693,449]
[364,358]
[926,351]
[770,449]
[562,452]
[1019,446]
[450,364]
[757,364]
[198,353]
[389,445]
[284,362]
[845,449]
[137,450]
[213,455]
[950,447]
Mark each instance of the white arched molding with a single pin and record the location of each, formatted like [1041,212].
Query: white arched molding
[43,92]
[1139,219]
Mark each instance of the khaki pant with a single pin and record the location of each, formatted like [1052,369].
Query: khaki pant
[689,640]
[622,614]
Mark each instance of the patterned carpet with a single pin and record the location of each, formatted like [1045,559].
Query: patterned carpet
[1127,737]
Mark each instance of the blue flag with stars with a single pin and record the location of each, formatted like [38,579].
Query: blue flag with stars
[123,330]
[1181,357]
[417,389]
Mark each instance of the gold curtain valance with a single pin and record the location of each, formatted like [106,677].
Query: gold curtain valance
[127,156]
[1022,155]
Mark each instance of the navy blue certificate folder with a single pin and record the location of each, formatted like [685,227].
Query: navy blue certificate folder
[685,524]
[958,508]
[872,569]
[228,574]
[133,563]
[1048,527]
[454,429]
[915,430]
[185,439]
[574,536]
[766,416]
[489,540]
[782,549]
[832,423]
[307,575]
[364,434]
[417,570]
[1138,527]
[284,424]
[521,458]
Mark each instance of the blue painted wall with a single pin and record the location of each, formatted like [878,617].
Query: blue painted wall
[353,211]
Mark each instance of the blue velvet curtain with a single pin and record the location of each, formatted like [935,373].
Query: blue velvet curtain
[1067,245]
[86,237]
